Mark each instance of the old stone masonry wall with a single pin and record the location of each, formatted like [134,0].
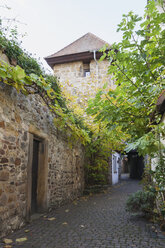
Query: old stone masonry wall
[71,77]
[60,178]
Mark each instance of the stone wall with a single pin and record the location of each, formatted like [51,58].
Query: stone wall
[72,77]
[22,117]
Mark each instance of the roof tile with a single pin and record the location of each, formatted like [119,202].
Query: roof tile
[88,42]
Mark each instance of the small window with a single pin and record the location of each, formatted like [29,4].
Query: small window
[86,70]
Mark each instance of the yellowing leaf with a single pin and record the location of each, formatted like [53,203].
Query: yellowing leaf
[19,73]
[21,239]
[8,241]
[64,223]
[52,218]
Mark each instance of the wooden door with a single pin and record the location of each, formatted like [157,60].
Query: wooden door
[34,206]
[37,175]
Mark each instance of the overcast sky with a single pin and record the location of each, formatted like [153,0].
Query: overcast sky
[53,24]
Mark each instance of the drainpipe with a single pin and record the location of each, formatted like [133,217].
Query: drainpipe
[97,68]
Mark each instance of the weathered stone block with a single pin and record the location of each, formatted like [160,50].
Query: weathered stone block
[4,160]
[2,210]
[9,188]
[4,146]
[25,136]
[17,118]
[21,189]
[2,152]
[23,145]
[11,198]
[2,124]
[1,191]
[11,138]
[3,200]
[17,161]
[4,175]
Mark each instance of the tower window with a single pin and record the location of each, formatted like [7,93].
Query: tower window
[86,70]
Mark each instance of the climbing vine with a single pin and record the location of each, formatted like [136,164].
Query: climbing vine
[33,84]
[27,76]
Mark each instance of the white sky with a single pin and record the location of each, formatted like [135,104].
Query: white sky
[53,24]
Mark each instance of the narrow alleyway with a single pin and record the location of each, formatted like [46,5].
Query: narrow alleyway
[97,221]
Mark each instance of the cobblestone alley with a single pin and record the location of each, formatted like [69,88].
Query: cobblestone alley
[97,221]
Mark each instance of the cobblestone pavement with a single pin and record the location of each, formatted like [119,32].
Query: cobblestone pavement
[96,221]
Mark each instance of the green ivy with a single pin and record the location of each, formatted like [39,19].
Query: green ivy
[17,56]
